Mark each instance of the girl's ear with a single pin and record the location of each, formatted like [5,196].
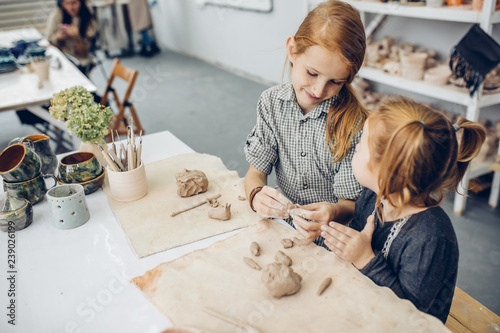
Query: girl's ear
[291,49]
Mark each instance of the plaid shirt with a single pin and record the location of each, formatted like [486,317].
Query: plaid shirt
[295,145]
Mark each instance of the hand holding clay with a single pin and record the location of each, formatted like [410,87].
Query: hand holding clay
[308,219]
[351,245]
[281,280]
[270,203]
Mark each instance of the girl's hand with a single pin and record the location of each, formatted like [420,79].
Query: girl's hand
[308,219]
[349,244]
[270,203]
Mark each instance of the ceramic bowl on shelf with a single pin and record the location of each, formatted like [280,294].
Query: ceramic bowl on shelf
[79,167]
[89,186]
[438,76]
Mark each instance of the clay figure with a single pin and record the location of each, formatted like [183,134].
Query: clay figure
[324,285]
[287,243]
[281,258]
[255,249]
[241,198]
[251,263]
[281,280]
[213,202]
[222,213]
[191,182]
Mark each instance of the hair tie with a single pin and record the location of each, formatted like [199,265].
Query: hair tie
[456,127]
[422,122]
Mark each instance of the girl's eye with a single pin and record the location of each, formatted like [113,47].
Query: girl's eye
[311,74]
[336,83]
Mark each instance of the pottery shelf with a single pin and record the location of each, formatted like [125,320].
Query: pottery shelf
[464,14]
[453,14]
[448,93]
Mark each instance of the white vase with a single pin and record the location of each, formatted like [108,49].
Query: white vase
[92,148]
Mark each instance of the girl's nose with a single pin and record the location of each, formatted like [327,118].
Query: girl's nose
[318,88]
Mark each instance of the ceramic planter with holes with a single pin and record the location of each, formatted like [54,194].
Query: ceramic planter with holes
[67,205]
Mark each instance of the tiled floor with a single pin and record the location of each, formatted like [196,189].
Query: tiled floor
[212,111]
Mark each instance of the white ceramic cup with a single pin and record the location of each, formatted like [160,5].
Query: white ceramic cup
[128,186]
[41,68]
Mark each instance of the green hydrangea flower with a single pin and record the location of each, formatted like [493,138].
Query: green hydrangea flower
[84,118]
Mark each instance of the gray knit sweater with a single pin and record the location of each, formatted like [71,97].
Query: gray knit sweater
[422,261]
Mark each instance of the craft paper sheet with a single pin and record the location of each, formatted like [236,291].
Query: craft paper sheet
[147,221]
[217,278]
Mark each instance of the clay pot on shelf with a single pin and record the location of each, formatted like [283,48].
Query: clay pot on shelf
[438,76]
[413,65]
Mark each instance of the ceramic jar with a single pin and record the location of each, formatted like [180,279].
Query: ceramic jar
[15,214]
[128,186]
[79,167]
[413,65]
[32,190]
[41,145]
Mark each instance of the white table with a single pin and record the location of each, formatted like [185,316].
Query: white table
[20,89]
[78,280]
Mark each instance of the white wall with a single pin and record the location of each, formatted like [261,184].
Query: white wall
[248,42]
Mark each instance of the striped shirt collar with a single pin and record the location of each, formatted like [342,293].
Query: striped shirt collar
[288,94]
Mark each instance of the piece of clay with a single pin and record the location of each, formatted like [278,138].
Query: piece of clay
[250,262]
[287,243]
[281,258]
[195,205]
[241,198]
[222,213]
[191,182]
[255,249]
[326,283]
[281,280]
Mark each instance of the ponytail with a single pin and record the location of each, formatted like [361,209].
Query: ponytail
[345,119]
[470,143]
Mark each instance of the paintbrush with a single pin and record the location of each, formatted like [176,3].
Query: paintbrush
[130,152]
[139,150]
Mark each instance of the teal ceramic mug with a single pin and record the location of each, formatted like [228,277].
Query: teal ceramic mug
[79,167]
[15,214]
[40,143]
[32,190]
[19,164]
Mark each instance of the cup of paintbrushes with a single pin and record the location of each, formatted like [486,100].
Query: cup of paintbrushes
[126,186]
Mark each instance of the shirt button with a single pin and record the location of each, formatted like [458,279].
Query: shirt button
[304,120]
[304,186]
[303,154]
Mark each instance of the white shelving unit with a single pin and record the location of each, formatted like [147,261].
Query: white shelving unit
[462,14]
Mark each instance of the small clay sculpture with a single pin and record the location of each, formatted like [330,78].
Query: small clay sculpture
[250,262]
[255,249]
[222,213]
[191,182]
[281,258]
[287,243]
[326,283]
[281,280]
[213,202]
[241,198]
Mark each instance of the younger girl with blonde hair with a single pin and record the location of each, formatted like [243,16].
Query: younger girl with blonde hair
[307,130]
[400,237]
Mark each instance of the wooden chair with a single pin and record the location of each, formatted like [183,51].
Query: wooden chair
[119,121]
[469,316]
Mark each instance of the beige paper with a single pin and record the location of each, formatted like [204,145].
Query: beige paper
[217,278]
[147,221]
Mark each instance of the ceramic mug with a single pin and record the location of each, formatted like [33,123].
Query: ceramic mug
[67,206]
[40,143]
[19,164]
[128,185]
[79,167]
[41,69]
[15,214]
[33,190]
